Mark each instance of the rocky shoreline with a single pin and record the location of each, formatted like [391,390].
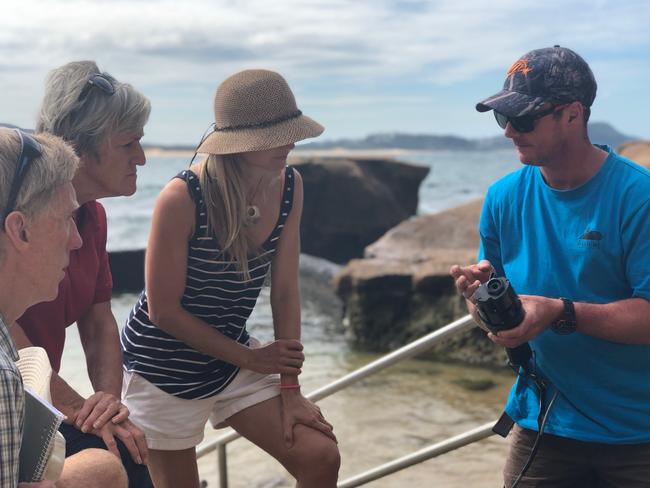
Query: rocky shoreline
[395,284]
[402,290]
[349,203]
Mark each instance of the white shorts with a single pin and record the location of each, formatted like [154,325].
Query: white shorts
[172,424]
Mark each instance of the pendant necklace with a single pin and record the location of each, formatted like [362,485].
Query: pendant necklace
[253,213]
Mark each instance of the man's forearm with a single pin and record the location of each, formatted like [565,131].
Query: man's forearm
[625,321]
[65,398]
[101,344]
[104,361]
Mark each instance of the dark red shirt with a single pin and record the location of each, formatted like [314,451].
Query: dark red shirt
[87,281]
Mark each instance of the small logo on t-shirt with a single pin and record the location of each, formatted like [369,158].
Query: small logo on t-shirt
[590,238]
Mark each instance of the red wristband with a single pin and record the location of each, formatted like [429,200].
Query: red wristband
[290,387]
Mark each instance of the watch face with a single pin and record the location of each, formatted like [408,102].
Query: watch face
[564,327]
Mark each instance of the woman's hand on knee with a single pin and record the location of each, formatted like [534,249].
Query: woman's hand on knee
[283,356]
[296,409]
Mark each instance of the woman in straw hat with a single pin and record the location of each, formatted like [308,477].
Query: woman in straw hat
[218,228]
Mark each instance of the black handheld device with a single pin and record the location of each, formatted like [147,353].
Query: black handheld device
[500,309]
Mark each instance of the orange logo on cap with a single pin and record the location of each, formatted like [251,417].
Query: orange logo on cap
[520,66]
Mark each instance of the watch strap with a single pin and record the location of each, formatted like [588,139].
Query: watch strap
[566,323]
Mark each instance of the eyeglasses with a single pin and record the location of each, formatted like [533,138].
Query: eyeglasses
[101,81]
[30,149]
[524,123]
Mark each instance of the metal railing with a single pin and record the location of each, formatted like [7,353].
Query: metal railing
[417,457]
[413,349]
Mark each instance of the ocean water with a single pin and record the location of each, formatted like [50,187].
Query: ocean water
[398,411]
[455,177]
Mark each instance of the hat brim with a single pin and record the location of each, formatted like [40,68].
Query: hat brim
[258,139]
[511,103]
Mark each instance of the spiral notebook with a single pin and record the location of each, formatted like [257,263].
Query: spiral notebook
[42,421]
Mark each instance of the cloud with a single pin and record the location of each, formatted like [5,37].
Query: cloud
[449,40]
[339,47]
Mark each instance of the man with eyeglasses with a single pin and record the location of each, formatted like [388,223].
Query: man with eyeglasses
[37,233]
[103,120]
[571,231]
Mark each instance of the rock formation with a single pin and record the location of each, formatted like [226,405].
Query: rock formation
[127,268]
[350,203]
[637,151]
[403,290]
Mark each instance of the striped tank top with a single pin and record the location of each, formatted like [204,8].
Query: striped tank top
[216,293]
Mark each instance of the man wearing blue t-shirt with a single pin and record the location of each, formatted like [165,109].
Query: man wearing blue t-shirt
[571,231]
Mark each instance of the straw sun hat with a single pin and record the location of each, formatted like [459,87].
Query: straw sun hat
[256,110]
[35,369]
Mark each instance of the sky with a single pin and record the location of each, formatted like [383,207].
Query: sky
[356,66]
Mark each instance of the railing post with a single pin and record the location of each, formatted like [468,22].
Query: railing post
[223,466]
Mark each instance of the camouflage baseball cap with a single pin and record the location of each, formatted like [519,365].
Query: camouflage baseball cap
[550,75]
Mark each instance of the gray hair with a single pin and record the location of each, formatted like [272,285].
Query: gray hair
[46,174]
[88,122]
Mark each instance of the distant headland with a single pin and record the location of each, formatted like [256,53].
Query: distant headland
[600,133]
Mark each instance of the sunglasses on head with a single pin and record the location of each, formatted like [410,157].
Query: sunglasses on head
[101,81]
[30,149]
[524,123]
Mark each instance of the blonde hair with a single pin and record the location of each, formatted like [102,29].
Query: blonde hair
[224,193]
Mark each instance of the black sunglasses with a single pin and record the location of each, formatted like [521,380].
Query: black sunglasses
[524,123]
[30,149]
[101,81]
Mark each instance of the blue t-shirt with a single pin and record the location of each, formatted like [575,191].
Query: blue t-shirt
[589,244]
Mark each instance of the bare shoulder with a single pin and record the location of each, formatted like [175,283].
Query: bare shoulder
[175,194]
[174,210]
[196,168]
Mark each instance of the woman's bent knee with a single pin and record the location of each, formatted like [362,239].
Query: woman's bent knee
[316,458]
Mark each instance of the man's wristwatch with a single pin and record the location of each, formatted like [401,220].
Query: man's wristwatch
[566,323]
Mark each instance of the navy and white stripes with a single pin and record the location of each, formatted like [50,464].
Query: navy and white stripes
[216,293]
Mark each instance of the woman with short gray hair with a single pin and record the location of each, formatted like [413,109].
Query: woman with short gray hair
[103,120]
[85,106]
